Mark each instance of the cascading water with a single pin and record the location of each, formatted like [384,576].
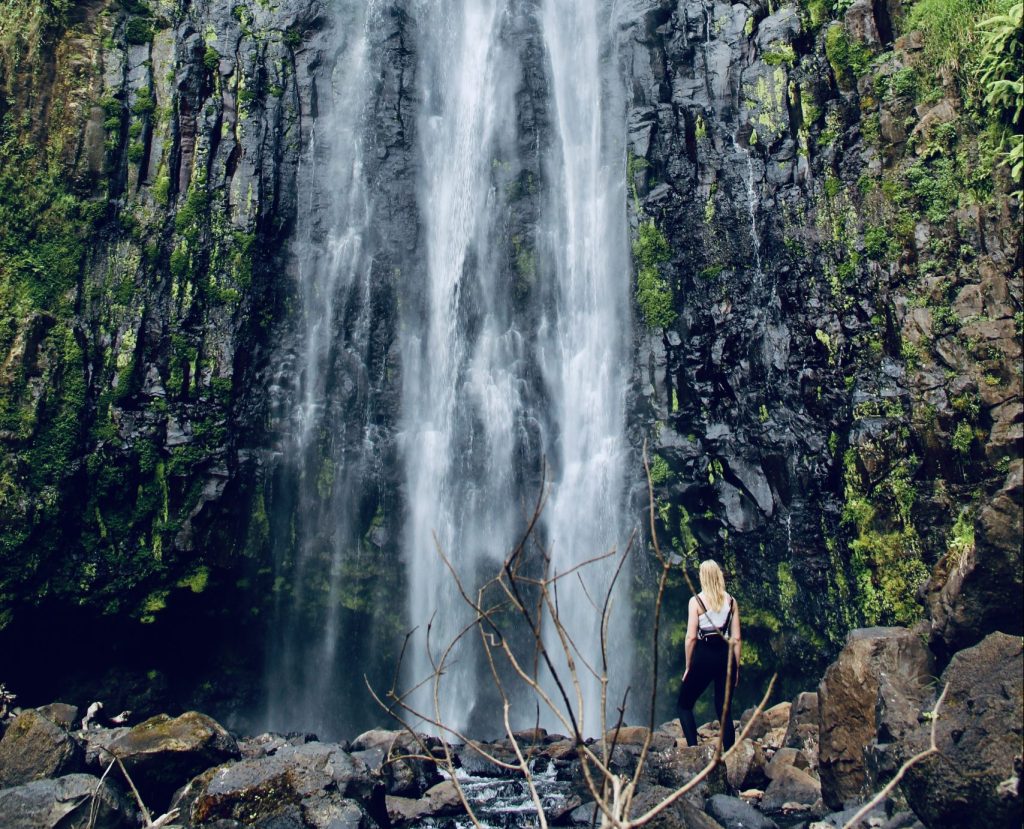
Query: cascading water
[464,361]
[461,352]
[512,341]
[333,286]
[583,343]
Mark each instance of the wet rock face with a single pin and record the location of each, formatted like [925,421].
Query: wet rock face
[974,780]
[739,392]
[980,591]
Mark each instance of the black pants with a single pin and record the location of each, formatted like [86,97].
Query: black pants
[709,664]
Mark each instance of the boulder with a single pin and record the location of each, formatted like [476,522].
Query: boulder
[771,718]
[441,800]
[745,766]
[628,735]
[977,591]
[790,786]
[785,758]
[733,813]
[61,714]
[304,783]
[672,769]
[802,731]
[163,753]
[837,820]
[847,699]
[974,779]
[67,803]
[903,820]
[97,743]
[405,777]
[34,747]
[680,815]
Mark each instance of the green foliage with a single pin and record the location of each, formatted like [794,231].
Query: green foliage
[848,59]
[1000,63]
[950,29]
[42,226]
[963,437]
[138,31]
[145,103]
[660,471]
[885,550]
[937,185]
[780,53]
[211,58]
[653,294]
[878,244]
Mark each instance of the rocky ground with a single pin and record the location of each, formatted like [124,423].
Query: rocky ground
[811,762]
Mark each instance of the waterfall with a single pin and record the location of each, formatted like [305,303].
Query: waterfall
[333,294]
[584,343]
[512,344]
[460,395]
[465,359]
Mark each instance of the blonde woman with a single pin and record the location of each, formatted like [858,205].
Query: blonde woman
[712,638]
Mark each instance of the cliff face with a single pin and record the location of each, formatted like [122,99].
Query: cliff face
[837,400]
[150,158]
[827,335]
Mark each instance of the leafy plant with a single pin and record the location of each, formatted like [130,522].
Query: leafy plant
[999,73]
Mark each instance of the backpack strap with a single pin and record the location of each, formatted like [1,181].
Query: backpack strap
[722,631]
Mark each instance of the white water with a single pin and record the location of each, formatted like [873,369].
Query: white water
[460,393]
[465,362]
[583,346]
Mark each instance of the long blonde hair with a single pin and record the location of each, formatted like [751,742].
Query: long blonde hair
[712,584]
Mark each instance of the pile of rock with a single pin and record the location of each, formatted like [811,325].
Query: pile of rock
[808,763]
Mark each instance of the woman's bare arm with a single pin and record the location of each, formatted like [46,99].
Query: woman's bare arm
[691,633]
[736,641]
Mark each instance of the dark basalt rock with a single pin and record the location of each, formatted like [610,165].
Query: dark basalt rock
[974,780]
[734,813]
[848,704]
[978,590]
[680,815]
[791,786]
[75,801]
[305,786]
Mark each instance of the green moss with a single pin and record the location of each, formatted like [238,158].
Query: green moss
[660,471]
[885,550]
[138,31]
[963,438]
[780,54]
[211,58]
[197,580]
[653,294]
[849,60]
